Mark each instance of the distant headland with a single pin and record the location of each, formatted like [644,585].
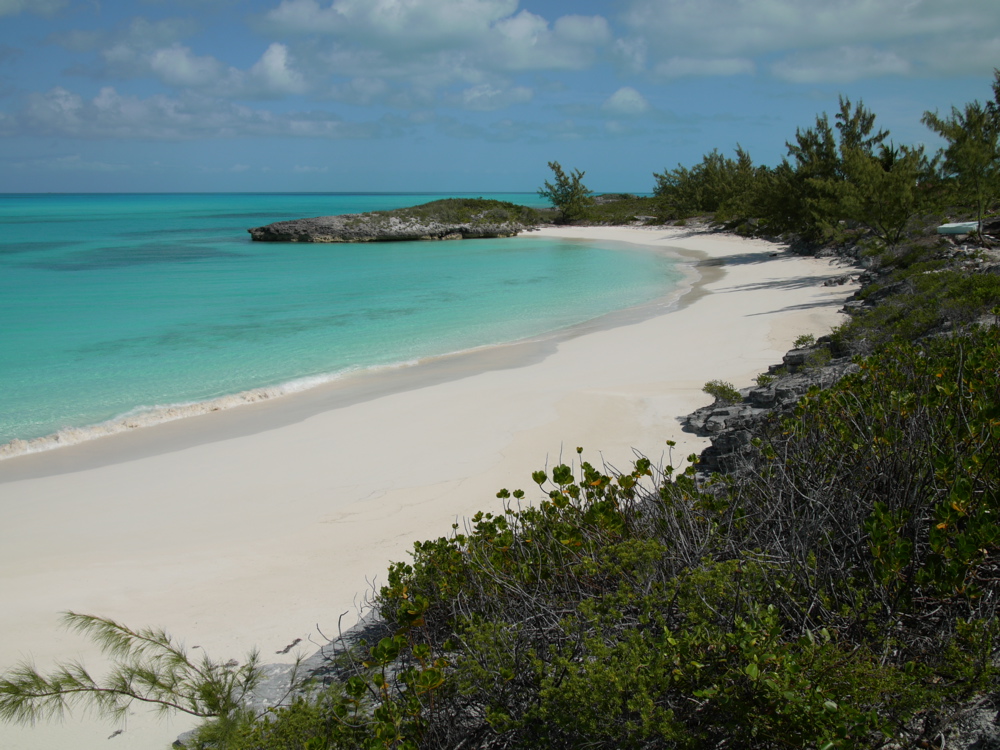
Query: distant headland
[448,219]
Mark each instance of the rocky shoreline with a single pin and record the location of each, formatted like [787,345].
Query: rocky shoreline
[368,228]
[450,219]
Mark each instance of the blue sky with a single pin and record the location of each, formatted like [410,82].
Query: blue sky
[455,95]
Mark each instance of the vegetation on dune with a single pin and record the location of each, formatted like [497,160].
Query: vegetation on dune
[837,589]
[468,211]
[472,211]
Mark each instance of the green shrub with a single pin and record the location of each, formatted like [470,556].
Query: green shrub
[929,300]
[722,392]
[804,341]
[818,358]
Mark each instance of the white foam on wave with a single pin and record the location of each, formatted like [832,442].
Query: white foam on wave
[148,416]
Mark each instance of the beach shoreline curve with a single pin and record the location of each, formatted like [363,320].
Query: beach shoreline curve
[232,538]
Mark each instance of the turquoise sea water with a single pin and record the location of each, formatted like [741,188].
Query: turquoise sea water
[118,305]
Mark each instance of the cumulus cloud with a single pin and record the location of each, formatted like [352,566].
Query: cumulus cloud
[41,7]
[527,42]
[427,24]
[440,42]
[740,27]
[178,66]
[114,115]
[148,48]
[959,56]
[273,73]
[404,53]
[626,101]
[720,37]
[840,65]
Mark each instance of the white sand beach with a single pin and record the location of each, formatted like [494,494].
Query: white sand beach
[262,524]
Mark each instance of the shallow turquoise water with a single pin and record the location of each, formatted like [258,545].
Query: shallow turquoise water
[119,304]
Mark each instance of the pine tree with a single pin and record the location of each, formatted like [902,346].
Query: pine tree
[568,193]
[972,156]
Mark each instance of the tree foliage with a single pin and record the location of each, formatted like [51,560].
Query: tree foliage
[718,184]
[972,154]
[845,178]
[567,192]
[148,666]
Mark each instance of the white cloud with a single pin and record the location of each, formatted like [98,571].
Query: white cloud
[632,53]
[626,101]
[840,65]
[966,55]
[426,24]
[870,37]
[740,27]
[145,48]
[436,43]
[274,73]
[409,54]
[41,7]
[60,112]
[177,66]
[526,42]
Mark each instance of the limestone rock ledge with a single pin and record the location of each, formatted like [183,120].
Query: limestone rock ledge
[367,228]
[447,219]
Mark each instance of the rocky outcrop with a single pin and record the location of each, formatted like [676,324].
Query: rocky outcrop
[378,228]
[732,426]
[447,219]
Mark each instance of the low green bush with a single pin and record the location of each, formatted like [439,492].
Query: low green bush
[930,300]
[722,392]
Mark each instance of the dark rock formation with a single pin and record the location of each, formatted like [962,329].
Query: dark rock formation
[732,426]
[377,228]
[448,219]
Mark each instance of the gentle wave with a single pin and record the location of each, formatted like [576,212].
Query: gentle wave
[150,416]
